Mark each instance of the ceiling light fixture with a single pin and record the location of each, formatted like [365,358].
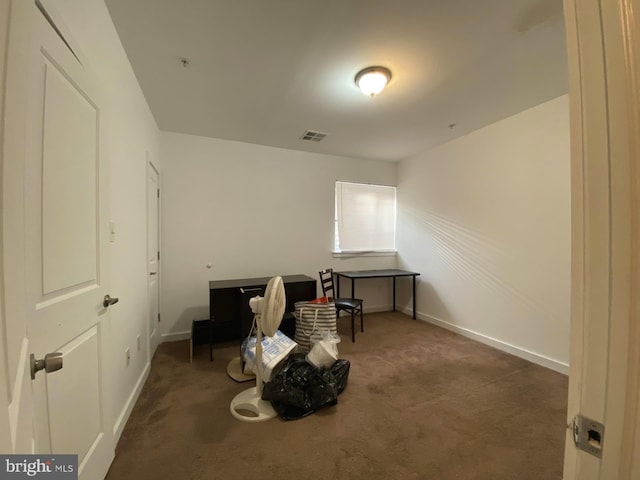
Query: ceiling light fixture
[372,80]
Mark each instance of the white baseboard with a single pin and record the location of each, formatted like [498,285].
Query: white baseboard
[377,308]
[479,337]
[493,342]
[174,337]
[374,309]
[186,335]
[131,401]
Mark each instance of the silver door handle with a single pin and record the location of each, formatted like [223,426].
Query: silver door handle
[52,362]
[108,301]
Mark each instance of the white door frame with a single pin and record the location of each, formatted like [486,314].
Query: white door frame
[153,342]
[604,58]
[14,375]
[5,399]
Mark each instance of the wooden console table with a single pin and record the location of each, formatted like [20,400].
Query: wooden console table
[354,275]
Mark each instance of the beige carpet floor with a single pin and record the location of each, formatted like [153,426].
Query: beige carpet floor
[421,403]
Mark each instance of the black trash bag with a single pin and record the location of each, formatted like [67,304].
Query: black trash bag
[298,389]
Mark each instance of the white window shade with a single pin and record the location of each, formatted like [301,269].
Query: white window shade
[365,217]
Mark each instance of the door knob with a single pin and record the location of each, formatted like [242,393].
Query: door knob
[51,362]
[108,301]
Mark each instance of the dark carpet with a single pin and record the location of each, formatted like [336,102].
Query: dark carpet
[421,403]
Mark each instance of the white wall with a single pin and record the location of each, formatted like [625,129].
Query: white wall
[251,211]
[131,132]
[486,220]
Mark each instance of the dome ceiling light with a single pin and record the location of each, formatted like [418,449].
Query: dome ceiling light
[372,80]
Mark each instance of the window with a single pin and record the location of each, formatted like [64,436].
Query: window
[365,218]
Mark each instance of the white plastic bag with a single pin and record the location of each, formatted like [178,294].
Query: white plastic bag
[324,352]
[274,350]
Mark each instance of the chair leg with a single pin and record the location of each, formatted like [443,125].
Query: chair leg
[353,326]
[361,321]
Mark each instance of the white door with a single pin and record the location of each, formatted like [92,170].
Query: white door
[153,253]
[65,249]
[604,53]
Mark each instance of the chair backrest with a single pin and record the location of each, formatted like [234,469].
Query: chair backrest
[326,280]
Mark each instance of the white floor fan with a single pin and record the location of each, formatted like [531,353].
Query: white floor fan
[268,311]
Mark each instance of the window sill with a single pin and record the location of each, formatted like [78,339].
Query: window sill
[369,253]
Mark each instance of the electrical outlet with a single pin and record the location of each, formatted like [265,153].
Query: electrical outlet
[138,341]
[127,353]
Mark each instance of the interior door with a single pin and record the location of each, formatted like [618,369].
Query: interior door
[153,253]
[65,250]
[604,53]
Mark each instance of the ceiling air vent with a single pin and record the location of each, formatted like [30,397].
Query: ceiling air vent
[313,136]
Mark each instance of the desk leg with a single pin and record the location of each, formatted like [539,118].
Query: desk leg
[353,288]
[394,294]
[193,328]
[414,297]
[337,292]
[211,339]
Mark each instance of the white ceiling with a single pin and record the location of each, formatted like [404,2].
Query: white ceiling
[264,71]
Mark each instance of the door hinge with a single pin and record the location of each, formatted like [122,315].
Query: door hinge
[158,318]
[588,435]
[158,193]
[158,254]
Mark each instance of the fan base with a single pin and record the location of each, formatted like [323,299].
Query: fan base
[234,370]
[249,400]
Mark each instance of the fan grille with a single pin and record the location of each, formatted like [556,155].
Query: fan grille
[273,306]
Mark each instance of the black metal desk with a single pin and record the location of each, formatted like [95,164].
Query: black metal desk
[353,275]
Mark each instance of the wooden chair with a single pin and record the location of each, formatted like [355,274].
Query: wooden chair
[349,305]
